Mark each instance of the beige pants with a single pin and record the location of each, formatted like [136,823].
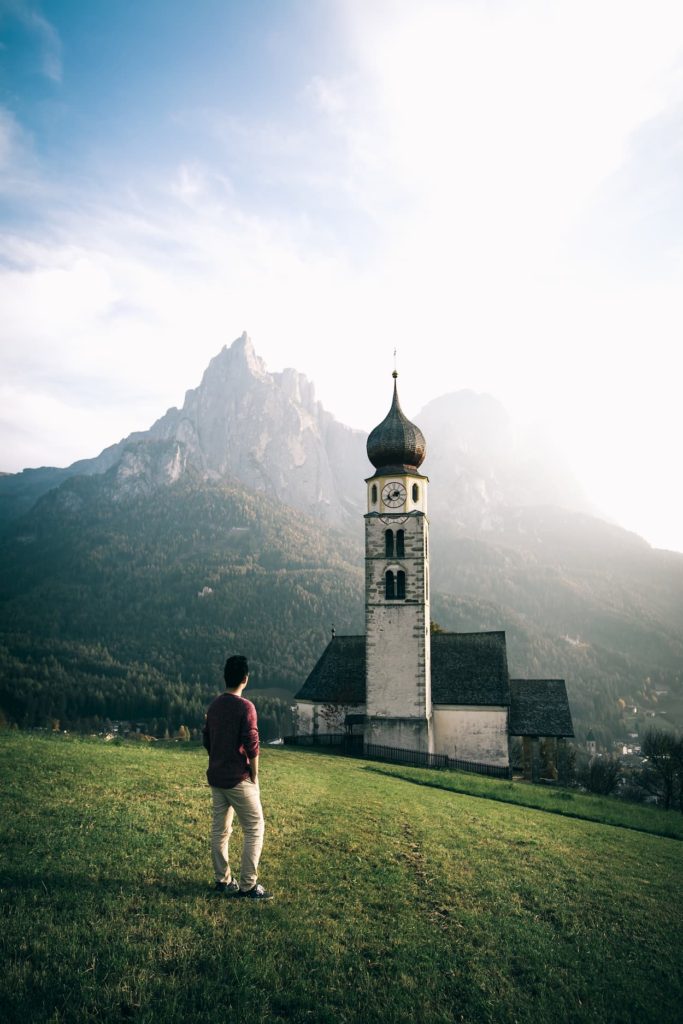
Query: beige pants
[244,800]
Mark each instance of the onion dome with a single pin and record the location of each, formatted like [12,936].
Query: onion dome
[396,443]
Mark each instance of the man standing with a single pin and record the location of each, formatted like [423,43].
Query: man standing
[232,740]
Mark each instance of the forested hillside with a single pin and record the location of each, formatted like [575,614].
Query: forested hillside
[127,607]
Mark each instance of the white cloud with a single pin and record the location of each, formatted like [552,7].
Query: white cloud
[196,185]
[51,46]
[49,42]
[326,95]
[444,199]
[19,174]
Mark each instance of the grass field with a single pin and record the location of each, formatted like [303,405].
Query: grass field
[395,902]
[554,799]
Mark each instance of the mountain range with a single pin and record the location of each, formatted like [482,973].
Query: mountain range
[252,494]
[265,430]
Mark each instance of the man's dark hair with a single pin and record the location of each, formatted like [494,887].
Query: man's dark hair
[236,668]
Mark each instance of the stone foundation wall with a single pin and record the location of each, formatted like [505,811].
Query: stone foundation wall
[404,734]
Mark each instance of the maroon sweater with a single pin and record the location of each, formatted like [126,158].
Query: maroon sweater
[231,738]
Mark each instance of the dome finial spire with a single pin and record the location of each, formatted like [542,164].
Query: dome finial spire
[396,444]
[395,373]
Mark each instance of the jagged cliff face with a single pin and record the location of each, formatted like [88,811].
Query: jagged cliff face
[267,431]
[143,468]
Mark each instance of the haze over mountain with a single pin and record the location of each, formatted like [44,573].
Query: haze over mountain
[252,495]
[479,462]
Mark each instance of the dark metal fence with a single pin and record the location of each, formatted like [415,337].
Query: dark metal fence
[332,739]
[353,746]
[494,771]
[397,755]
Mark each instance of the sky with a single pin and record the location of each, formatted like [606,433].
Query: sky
[494,188]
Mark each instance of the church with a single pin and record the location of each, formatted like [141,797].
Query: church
[401,687]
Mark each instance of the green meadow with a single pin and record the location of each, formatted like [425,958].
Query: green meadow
[394,901]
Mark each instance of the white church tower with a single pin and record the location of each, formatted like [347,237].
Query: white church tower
[398,672]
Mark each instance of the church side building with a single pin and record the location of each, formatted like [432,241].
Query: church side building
[399,685]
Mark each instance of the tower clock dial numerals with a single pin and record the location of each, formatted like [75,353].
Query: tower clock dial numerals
[394,494]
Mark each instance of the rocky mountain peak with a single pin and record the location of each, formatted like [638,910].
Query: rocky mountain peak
[264,429]
[237,363]
[242,423]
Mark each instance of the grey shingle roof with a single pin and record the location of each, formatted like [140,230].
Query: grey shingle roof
[339,675]
[470,668]
[467,668]
[539,707]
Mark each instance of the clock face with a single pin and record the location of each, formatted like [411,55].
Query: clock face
[393,494]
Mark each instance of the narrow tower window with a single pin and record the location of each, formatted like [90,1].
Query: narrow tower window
[400,584]
[400,544]
[416,493]
[374,494]
[390,586]
[389,543]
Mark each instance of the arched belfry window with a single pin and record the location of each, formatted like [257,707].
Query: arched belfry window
[373,494]
[416,493]
[400,544]
[395,585]
[389,543]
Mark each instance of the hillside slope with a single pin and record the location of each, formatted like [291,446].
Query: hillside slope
[388,897]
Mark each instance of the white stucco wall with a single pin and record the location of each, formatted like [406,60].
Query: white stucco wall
[472,734]
[322,719]
[304,718]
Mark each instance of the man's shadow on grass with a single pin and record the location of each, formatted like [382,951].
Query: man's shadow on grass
[69,885]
